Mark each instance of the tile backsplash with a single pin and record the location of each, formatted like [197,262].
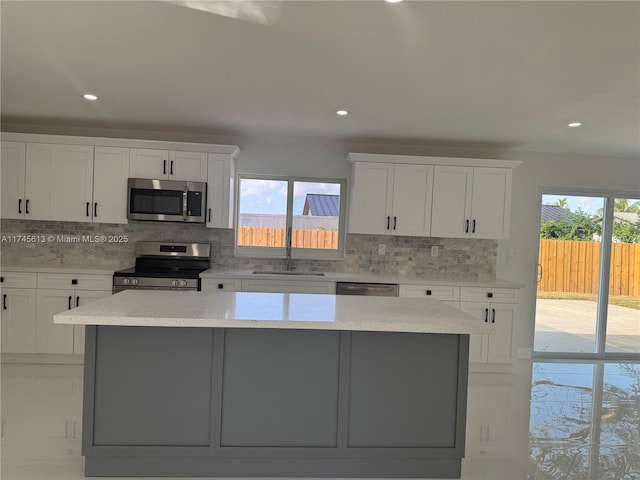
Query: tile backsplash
[62,244]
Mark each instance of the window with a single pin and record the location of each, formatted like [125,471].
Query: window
[310,210]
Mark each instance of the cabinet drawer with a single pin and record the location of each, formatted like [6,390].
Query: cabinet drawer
[74,282]
[438,292]
[18,280]
[221,285]
[493,295]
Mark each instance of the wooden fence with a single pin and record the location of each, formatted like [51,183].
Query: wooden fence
[573,266]
[275,237]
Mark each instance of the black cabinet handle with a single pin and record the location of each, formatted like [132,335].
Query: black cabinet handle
[388,222]
[1,279]
[220,286]
[27,207]
[486,315]
[19,205]
[209,214]
[493,315]
[466,230]
[395,220]
[69,302]
[474,227]
[88,205]
[164,167]
[428,292]
[489,294]
[4,301]
[95,209]
[74,281]
[171,171]
[77,301]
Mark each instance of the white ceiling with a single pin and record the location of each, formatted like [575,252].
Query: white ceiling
[506,74]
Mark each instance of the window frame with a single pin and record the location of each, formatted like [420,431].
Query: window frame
[297,253]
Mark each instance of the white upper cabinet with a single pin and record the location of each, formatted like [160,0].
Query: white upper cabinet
[430,196]
[59,182]
[110,173]
[72,188]
[391,199]
[12,171]
[220,195]
[471,202]
[170,165]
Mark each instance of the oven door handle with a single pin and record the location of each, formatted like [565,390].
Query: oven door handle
[184,203]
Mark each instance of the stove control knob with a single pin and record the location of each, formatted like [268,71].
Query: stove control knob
[174,283]
[135,281]
[183,283]
[125,281]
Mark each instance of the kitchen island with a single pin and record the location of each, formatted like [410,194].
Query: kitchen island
[269,384]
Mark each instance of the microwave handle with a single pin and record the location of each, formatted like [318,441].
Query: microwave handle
[184,203]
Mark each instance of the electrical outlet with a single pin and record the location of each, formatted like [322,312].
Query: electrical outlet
[435,251]
[512,254]
[381,249]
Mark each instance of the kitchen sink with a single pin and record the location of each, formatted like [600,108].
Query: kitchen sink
[285,272]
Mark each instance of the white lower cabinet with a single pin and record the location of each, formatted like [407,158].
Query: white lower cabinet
[27,313]
[494,306]
[288,286]
[18,312]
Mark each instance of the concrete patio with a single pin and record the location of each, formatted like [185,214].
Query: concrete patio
[570,326]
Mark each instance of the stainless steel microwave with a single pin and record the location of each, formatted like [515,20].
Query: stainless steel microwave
[166,200]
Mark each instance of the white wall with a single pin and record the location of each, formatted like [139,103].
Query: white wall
[316,157]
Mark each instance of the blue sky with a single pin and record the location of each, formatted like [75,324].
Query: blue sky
[586,204]
[270,196]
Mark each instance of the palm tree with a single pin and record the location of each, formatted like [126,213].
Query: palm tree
[561,202]
[622,205]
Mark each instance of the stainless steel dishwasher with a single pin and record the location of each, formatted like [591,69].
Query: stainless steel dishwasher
[369,289]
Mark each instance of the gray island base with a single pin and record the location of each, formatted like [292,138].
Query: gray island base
[272,402]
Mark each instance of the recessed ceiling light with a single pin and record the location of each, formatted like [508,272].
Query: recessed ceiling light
[90,96]
[392,1]
[342,112]
[574,124]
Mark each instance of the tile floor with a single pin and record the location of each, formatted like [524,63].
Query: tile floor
[543,421]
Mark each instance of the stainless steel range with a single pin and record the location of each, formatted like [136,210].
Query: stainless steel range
[165,266]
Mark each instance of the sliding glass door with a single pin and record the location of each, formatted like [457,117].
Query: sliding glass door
[588,291]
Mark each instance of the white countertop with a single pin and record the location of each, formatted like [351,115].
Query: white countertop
[366,277]
[275,310]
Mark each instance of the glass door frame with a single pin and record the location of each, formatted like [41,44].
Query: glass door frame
[606,241]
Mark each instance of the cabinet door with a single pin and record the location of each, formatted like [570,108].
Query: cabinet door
[110,174]
[82,298]
[52,338]
[478,344]
[500,345]
[148,163]
[412,194]
[188,166]
[220,174]
[39,179]
[451,208]
[18,320]
[370,198]
[491,203]
[12,172]
[72,190]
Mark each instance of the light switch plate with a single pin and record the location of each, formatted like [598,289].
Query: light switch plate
[381,249]
[435,250]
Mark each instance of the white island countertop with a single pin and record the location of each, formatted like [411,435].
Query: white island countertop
[275,310]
